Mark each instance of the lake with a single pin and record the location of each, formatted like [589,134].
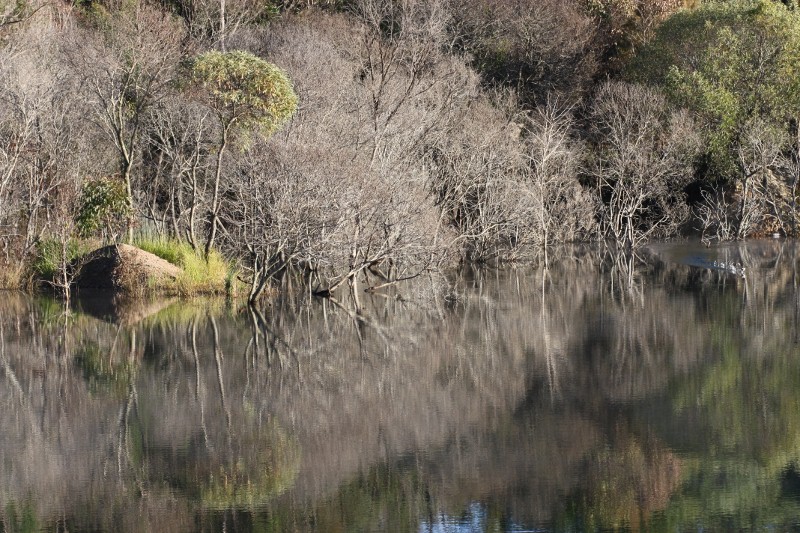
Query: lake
[657,393]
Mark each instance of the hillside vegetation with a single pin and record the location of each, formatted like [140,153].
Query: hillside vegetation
[368,142]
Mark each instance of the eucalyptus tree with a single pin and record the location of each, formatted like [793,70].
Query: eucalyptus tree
[249,96]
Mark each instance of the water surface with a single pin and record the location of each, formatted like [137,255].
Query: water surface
[658,393]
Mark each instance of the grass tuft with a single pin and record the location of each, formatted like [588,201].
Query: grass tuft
[199,275]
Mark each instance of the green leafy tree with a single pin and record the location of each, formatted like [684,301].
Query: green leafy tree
[735,64]
[249,96]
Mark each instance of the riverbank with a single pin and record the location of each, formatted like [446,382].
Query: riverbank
[145,268]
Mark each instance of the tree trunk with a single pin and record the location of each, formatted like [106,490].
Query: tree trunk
[212,232]
[222,25]
[743,209]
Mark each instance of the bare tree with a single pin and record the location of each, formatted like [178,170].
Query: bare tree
[178,161]
[762,199]
[474,173]
[126,69]
[41,155]
[66,266]
[286,212]
[16,132]
[643,156]
[511,189]
[402,69]
[562,210]
[762,196]
[217,23]
[371,105]
[536,47]
[715,215]
[17,13]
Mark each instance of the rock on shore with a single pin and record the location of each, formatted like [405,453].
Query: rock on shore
[126,268]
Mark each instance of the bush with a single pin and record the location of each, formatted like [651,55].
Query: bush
[11,275]
[104,207]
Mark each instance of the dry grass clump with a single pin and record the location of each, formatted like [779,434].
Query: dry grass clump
[12,276]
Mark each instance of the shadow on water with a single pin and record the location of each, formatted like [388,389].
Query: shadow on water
[629,393]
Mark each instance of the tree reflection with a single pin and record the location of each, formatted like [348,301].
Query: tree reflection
[601,393]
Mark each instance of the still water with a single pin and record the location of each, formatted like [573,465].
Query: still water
[660,393]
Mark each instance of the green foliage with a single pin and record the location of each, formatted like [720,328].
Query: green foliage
[678,41]
[246,90]
[169,250]
[733,394]
[179,314]
[392,495]
[104,206]
[47,257]
[731,63]
[263,464]
[11,275]
[20,517]
[200,274]
[96,15]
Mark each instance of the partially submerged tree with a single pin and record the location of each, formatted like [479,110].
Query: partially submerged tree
[379,92]
[249,97]
[562,209]
[642,161]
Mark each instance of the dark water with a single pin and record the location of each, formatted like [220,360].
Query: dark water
[660,394]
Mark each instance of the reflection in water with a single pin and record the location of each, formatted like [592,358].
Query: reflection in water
[602,394]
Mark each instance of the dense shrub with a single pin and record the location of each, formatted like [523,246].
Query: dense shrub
[367,142]
[103,208]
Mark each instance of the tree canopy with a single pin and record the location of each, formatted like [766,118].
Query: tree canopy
[732,63]
[247,90]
